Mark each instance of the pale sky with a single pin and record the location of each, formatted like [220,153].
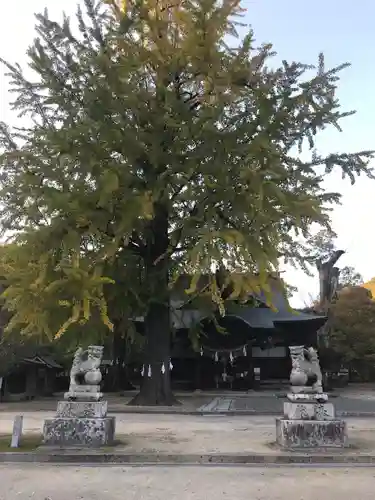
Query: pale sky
[299,30]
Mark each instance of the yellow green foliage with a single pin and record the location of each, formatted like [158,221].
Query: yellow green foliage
[370,286]
[38,286]
[158,147]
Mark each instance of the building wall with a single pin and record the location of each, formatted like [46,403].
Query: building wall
[272,352]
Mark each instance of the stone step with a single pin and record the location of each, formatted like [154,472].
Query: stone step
[85,409]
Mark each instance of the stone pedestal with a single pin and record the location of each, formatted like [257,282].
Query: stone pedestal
[309,411]
[71,409]
[309,422]
[83,393]
[299,434]
[80,423]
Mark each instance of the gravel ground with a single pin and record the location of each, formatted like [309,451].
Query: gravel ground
[116,403]
[350,401]
[190,434]
[184,483]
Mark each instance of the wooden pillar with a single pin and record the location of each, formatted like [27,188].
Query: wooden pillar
[31,382]
[198,373]
[49,379]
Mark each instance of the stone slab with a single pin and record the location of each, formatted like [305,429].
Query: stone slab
[85,388]
[83,396]
[82,432]
[297,434]
[304,396]
[309,411]
[85,409]
[17,431]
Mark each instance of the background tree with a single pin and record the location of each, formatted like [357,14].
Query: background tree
[350,277]
[352,335]
[321,246]
[158,147]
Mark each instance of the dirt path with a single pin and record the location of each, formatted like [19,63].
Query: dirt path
[184,483]
[185,434]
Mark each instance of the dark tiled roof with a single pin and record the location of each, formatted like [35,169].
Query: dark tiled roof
[263,317]
[44,361]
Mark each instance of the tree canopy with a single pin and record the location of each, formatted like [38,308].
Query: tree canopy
[158,145]
[352,335]
[322,245]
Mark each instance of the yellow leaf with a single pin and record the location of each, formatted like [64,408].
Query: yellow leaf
[147,205]
[73,319]
[64,303]
[110,182]
[193,284]
[104,314]
[117,5]
[86,308]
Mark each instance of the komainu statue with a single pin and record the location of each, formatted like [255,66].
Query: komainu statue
[306,375]
[85,374]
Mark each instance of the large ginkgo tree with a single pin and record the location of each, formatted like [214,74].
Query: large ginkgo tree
[158,144]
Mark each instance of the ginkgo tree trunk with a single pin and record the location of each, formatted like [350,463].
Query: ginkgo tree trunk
[160,146]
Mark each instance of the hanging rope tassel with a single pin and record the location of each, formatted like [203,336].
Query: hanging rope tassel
[149,373]
[162,369]
[143,370]
[170,365]
[244,351]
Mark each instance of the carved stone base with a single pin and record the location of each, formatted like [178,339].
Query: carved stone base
[84,393]
[80,432]
[299,434]
[309,411]
[83,409]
